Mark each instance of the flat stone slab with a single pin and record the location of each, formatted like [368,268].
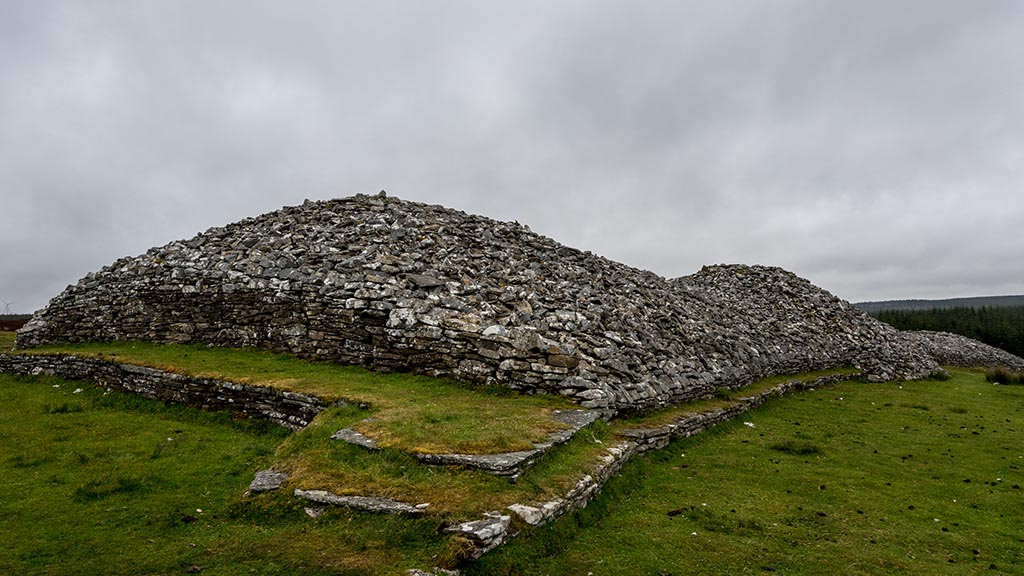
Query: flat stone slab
[503,464]
[352,437]
[267,480]
[363,503]
[575,419]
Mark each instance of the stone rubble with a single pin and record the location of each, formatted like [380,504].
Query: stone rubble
[485,534]
[403,286]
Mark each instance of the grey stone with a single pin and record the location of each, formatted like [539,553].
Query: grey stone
[495,330]
[485,534]
[424,281]
[531,515]
[353,437]
[267,480]
[362,503]
[576,419]
[506,463]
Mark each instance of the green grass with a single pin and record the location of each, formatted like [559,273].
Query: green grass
[96,478]
[7,340]
[454,493]
[912,478]
[403,414]
[409,413]
[109,483]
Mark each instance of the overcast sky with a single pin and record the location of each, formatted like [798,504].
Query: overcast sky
[873,147]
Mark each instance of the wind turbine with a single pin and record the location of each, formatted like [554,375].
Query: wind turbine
[7,306]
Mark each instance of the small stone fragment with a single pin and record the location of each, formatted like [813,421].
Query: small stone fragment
[267,480]
[353,437]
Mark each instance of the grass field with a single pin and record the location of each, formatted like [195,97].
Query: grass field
[404,414]
[108,483]
[912,478]
[409,413]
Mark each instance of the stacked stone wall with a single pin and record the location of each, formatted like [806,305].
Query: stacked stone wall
[288,409]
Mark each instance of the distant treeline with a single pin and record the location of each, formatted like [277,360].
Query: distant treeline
[975,302]
[15,316]
[1000,326]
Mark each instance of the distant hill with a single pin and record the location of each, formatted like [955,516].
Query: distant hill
[977,302]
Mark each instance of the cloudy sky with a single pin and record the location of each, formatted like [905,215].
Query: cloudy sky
[873,147]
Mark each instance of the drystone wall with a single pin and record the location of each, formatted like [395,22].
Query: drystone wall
[288,409]
[403,286]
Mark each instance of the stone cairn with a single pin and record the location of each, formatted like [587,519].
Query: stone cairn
[402,286]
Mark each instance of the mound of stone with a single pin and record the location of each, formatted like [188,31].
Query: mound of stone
[403,286]
[955,350]
[781,323]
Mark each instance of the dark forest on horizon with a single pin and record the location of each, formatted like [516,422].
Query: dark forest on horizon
[999,326]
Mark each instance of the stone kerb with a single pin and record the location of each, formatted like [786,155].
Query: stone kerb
[696,422]
[288,409]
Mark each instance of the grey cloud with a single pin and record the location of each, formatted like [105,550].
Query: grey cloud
[873,147]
